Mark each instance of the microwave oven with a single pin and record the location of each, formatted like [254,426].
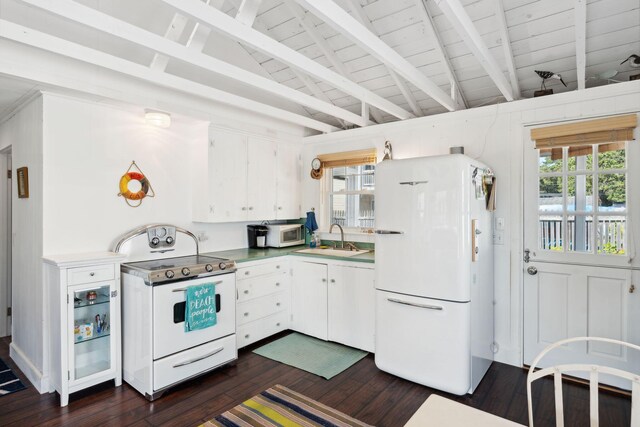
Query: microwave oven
[282,235]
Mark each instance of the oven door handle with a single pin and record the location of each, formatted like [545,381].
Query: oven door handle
[184,289]
[189,362]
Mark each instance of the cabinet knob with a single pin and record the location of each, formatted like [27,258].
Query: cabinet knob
[92,274]
[250,208]
[246,273]
[244,208]
[324,280]
[246,292]
[278,324]
[277,304]
[278,266]
[333,280]
[279,208]
[246,314]
[246,336]
[277,283]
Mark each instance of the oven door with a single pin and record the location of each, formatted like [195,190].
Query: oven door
[169,302]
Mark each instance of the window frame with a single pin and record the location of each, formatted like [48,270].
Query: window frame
[325,203]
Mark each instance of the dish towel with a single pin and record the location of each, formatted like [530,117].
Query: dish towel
[311,223]
[200,310]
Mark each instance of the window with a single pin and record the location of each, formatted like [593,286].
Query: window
[582,185]
[572,216]
[348,189]
[351,196]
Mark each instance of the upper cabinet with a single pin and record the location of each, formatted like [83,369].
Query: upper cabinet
[248,179]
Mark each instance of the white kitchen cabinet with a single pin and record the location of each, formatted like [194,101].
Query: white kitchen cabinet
[288,181]
[351,306]
[263,300]
[261,179]
[334,301]
[247,179]
[309,298]
[227,178]
[84,321]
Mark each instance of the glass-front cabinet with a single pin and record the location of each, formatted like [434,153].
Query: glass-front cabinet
[90,315]
[84,321]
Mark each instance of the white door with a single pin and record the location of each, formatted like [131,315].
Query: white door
[261,181]
[289,178]
[309,298]
[351,309]
[227,177]
[577,252]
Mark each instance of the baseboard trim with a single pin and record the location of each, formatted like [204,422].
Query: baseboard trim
[34,375]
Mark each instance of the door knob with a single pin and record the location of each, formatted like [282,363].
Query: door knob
[532,270]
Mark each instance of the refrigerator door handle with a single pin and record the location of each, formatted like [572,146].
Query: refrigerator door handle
[388,232]
[430,307]
[412,183]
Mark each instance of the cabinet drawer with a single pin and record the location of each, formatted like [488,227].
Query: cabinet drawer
[194,361]
[255,331]
[260,270]
[261,286]
[77,276]
[262,307]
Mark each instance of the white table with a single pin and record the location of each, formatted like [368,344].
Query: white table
[438,411]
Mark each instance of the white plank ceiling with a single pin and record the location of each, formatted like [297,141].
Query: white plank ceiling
[542,36]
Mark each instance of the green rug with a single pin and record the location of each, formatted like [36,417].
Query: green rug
[325,359]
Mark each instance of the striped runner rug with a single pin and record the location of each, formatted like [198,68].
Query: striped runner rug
[9,383]
[279,406]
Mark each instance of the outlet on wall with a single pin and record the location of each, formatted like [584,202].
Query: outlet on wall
[498,238]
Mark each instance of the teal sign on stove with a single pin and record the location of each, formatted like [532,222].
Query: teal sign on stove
[200,312]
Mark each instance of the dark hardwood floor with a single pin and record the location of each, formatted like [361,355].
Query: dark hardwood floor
[362,391]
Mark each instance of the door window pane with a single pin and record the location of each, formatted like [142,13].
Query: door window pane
[612,192]
[550,194]
[580,193]
[611,235]
[550,232]
[550,160]
[612,156]
[579,233]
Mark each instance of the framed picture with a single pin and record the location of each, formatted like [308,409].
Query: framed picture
[23,182]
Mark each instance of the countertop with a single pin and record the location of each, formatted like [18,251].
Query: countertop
[246,254]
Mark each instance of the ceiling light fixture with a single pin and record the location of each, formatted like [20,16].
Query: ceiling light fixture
[157,118]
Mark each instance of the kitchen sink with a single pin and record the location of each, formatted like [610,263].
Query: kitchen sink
[332,252]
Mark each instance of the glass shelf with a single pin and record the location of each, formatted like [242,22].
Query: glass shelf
[84,302]
[94,337]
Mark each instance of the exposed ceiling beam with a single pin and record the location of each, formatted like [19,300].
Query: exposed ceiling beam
[230,27]
[248,11]
[581,41]
[105,23]
[459,19]
[348,26]
[37,39]
[304,78]
[173,33]
[429,26]
[324,46]
[358,12]
[506,47]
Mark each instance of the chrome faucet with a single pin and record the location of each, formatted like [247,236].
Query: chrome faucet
[341,233]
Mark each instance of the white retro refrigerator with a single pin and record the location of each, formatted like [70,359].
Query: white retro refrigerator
[434,272]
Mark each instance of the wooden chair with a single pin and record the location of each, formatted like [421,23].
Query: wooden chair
[593,372]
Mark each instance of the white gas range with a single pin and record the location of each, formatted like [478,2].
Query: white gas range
[163,262]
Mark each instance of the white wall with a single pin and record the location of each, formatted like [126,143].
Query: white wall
[495,135]
[23,132]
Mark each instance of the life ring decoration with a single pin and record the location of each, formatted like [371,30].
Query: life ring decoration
[132,179]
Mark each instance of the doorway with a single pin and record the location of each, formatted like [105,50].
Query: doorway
[5,241]
[578,276]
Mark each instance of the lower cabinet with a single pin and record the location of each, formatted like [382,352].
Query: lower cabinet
[263,300]
[334,302]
